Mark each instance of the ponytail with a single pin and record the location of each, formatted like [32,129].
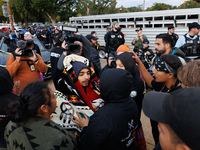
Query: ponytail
[31,99]
[17,111]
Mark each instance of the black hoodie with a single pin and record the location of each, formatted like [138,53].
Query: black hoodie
[137,82]
[6,97]
[113,125]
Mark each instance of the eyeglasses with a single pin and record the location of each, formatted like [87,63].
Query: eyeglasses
[137,30]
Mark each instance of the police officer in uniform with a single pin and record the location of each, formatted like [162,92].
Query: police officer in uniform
[172,34]
[190,42]
[115,38]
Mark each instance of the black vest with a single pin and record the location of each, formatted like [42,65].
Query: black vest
[191,47]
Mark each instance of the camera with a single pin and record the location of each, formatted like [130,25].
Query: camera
[69,37]
[25,51]
[113,62]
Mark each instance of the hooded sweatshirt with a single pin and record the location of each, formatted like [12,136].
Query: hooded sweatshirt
[137,82]
[113,126]
[6,96]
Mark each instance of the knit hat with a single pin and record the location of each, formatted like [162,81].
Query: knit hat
[123,48]
[78,66]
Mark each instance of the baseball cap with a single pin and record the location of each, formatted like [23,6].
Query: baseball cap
[89,37]
[109,27]
[145,41]
[93,32]
[171,27]
[179,109]
[114,22]
[137,29]
[194,25]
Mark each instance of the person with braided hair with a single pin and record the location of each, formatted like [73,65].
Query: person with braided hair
[166,80]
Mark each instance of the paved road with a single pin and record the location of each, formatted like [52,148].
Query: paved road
[145,121]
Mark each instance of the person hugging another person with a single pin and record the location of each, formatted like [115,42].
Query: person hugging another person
[30,126]
[77,91]
[114,125]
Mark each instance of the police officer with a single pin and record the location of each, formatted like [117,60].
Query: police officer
[189,43]
[108,29]
[38,33]
[115,38]
[172,34]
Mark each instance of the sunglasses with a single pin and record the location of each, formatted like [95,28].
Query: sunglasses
[145,43]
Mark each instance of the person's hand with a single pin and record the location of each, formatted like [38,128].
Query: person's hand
[16,86]
[140,50]
[19,52]
[110,59]
[33,58]
[137,59]
[64,45]
[77,33]
[148,53]
[81,122]
[98,82]
[136,37]
[119,36]
[106,55]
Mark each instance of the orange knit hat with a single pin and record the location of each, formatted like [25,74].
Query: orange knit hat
[123,48]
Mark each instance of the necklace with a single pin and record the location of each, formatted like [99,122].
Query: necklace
[163,88]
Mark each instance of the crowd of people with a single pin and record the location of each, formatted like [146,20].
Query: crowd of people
[95,108]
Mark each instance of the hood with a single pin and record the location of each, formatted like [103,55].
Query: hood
[6,83]
[128,62]
[115,85]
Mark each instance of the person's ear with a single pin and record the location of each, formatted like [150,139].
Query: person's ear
[170,75]
[44,108]
[167,46]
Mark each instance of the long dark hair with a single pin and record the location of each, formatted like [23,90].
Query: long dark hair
[31,98]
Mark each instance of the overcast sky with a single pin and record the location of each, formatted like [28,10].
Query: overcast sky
[148,3]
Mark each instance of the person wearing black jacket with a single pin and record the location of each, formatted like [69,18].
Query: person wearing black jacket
[115,38]
[145,53]
[173,35]
[112,126]
[6,96]
[94,57]
[56,52]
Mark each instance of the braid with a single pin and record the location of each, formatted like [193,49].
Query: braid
[173,87]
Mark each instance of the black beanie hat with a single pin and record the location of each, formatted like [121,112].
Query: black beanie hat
[78,66]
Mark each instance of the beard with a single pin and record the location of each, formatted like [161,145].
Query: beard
[160,52]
